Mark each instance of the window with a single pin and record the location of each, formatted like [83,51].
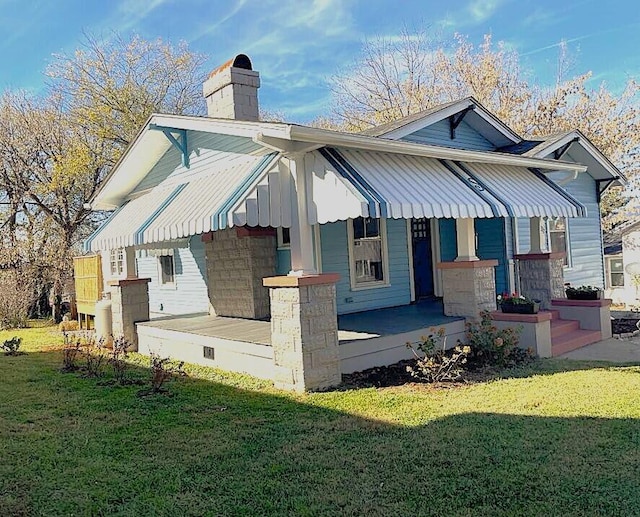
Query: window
[367,252]
[284,238]
[116,262]
[166,269]
[616,272]
[558,237]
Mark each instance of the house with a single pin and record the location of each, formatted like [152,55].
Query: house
[296,253]
[622,265]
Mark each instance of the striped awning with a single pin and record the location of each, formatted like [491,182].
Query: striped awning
[401,186]
[187,205]
[341,184]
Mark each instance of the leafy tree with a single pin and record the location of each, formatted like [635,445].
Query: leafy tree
[110,87]
[395,78]
[56,150]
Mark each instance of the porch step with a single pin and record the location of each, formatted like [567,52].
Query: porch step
[560,327]
[573,340]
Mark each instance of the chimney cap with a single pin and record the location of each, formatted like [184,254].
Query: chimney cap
[240,61]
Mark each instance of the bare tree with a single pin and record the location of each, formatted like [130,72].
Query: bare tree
[396,78]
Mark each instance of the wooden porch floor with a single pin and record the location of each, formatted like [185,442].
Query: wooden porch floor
[351,327]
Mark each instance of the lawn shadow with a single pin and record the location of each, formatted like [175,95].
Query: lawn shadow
[72,446]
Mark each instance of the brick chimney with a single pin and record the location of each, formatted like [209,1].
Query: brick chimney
[231,91]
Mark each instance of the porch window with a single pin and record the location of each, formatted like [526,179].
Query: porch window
[167,271]
[284,238]
[616,272]
[558,233]
[116,262]
[367,251]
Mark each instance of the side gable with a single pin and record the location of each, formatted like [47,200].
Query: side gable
[439,133]
[464,124]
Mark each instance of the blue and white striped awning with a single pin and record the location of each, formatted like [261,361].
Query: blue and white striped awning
[401,186]
[187,205]
[341,184]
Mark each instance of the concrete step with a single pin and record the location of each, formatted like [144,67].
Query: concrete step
[555,315]
[560,327]
[574,340]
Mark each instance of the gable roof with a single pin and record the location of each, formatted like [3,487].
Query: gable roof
[262,138]
[575,145]
[479,118]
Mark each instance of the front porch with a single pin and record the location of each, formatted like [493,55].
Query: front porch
[366,339]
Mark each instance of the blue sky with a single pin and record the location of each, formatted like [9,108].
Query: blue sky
[297,44]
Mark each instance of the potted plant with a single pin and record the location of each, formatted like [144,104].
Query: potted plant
[583,292]
[518,304]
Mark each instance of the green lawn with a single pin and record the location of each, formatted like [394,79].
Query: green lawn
[562,440]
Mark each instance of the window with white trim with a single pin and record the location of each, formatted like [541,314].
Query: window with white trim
[616,271]
[116,262]
[167,269]
[284,238]
[367,250]
[558,233]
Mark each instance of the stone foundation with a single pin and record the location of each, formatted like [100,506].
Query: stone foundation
[304,332]
[129,305]
[468,287]
[237,261]
[542,276]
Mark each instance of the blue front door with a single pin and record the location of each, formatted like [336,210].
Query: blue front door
[422,260]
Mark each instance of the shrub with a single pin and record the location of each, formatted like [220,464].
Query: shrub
[118,358]
[434,363]
[12,346]
[17,294]
[491,346]
[70,352]
[162,369]
[95,356]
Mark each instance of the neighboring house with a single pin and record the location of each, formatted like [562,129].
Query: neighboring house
[447,203]
[622,265]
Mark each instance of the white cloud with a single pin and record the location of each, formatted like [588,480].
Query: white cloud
[482,10]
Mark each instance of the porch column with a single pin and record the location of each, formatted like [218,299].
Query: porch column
[129,305]
[465,240]
[130,262]
[542,276]
[302,252]
[536,234]
[468,287]
[304,331]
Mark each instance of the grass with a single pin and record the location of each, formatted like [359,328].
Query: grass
[562,438]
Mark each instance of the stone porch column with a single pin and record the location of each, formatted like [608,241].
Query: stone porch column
[129,305]
[304,331]
[468,287]
[542,276]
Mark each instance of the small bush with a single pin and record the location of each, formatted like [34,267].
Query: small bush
[162,369]
[12,346]
[118,359]
[70,352]
[435,363]
[95,356]
[491,346]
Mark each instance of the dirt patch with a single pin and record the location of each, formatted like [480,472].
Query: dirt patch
[397,375]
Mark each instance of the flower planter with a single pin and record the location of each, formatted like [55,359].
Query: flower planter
[583,295]
[520,308]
